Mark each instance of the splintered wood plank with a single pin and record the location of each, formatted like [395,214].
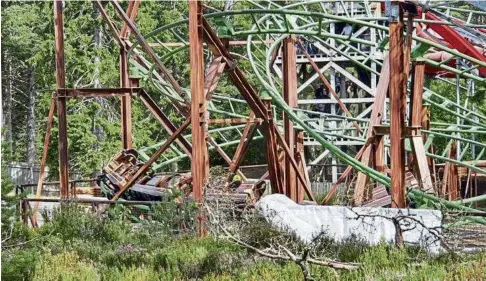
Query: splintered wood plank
[376,116]
[213,75]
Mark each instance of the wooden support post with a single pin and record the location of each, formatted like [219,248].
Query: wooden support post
[362,191]
[425,124]
[290,97]
[421,169]
[42,170]
[61,102]
[212,76]
[246,137]
[379,154]
[292,161]
[225,156]
[198,109]
[126,101]
[274,168]
[397,154]
[300,159]
[449,180]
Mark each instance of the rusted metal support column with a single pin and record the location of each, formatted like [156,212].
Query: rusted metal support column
[126,101]
[397,109]
[198,108]
[61,101]
[290,97]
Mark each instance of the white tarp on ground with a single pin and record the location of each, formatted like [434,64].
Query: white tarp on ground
[419,227]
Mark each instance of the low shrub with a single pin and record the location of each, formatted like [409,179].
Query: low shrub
[65,266]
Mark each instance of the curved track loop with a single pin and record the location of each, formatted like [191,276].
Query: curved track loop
[364,50]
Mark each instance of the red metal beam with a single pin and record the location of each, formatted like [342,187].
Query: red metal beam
[248,133]
[274,168]
[61,102]
[235,73]
[300,159]
[420,168]
[114,31]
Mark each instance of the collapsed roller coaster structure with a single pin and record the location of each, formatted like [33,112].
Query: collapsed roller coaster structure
[371,56]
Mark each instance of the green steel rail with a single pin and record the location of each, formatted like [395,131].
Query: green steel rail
[275,22]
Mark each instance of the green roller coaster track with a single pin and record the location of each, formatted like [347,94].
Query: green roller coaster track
[271,23]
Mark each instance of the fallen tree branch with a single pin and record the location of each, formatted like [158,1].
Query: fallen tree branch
[290,256]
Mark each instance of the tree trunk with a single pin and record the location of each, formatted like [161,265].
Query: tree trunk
[7,106]
[95,129]
[31,120]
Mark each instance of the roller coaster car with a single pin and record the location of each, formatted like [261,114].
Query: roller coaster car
[121,168]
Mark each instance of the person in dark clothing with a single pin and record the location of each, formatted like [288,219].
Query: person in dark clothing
[321,93]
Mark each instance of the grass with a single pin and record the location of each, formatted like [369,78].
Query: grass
[77,245]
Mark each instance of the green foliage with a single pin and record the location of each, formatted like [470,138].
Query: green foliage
[70,222]
[77,245]
[18,264]
[65,266]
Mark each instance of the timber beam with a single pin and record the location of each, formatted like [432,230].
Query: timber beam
[97,92]
[397,110]
[140,172]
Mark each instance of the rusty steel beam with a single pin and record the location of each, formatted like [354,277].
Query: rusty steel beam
[397,151]
[289,69]
[300,176]
[225,156]
[96,92]
[230,43]
[147,48]
[165,121]
[140,172]
[132,12]
[235,73]
[42,169]
[61,102]
[200,161]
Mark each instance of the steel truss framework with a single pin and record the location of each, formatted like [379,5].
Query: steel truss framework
[395,44]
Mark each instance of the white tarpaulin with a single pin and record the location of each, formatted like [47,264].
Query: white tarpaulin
[419,227]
